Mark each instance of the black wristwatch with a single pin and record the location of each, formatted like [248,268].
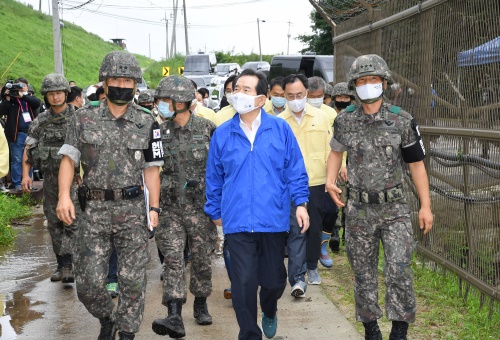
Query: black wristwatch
[305,205]
[158,210]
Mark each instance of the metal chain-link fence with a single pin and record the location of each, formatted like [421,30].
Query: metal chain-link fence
[445,58]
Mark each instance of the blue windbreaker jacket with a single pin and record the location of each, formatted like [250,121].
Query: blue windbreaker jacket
[250,187]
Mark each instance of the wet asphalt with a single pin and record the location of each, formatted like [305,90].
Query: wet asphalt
[32,307]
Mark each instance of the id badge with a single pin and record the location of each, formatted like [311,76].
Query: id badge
[26,117]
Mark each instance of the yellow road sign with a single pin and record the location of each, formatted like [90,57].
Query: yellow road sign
[165,71]
[180,70]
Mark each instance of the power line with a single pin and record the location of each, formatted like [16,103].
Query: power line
[149,22]
[78,5]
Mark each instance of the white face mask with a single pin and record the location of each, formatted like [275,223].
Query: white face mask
[369,92]
[206,101]
[316,102]
[24,93]
[194,101]
[243,103]
[229,97]
[297,105]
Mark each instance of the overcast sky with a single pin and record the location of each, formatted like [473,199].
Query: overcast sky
[212,25]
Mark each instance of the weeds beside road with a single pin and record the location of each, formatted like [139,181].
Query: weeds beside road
[441,312]
[11,208]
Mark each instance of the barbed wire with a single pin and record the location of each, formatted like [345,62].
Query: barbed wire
[342,10]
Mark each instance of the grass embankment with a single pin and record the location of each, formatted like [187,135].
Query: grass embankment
[29,32]
[11,208]
[441,312]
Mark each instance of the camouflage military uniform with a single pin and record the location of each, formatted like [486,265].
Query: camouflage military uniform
[376,145]
[111,152]
[182,199]
[46,136]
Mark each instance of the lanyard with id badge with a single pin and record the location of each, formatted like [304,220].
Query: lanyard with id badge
[25,112]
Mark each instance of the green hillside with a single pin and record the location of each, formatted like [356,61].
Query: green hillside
[29,32]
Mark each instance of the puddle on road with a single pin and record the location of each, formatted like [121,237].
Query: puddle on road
[23,265]
[15,313]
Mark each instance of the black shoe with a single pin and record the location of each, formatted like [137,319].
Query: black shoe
[372,332]
[172,325]
[107,329]
[57,275]
[200,313]
[125,335]
[67,274]
[334,242]
[399,330]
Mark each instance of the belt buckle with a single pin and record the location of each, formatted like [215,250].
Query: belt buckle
[109,195]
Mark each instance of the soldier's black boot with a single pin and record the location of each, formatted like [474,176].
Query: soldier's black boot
[372,332]
[125,335]
[172,325]
[107,329]
[57,275]
[201,314]
[334,242]
[399,330]
[67,269]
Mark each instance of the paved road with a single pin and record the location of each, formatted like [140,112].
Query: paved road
[36,308]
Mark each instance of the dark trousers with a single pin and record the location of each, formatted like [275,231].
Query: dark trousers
[304,250]
[257,259]
[330,213]
[113,267]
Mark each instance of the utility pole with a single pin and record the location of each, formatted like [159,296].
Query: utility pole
[166,27]
[56,29]
[289,35]
[173,47]
[185,26]
[258,31]
[40,6]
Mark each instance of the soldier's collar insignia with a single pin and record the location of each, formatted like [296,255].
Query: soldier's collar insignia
[389,122]
[139,125]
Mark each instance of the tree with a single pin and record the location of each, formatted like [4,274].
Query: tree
[321,39]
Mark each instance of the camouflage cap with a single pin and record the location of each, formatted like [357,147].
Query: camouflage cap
[177,88]
[120,64]
[341,89]
[146,96]
[368,65]
[31,89]
[54,82]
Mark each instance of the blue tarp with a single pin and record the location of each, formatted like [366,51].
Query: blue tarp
[486,53]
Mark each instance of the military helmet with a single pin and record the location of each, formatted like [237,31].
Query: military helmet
[120,64]
[368,65]
[146,96]
[54,82]
[328,89]
[341,89]
[179,89]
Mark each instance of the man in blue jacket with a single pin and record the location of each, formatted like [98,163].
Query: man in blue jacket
[254,168]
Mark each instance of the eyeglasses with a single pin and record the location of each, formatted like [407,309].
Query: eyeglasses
[298,96]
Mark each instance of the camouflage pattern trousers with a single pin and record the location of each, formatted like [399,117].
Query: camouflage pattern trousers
[63,237]
[122,223]
[178,224]
[366,226]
